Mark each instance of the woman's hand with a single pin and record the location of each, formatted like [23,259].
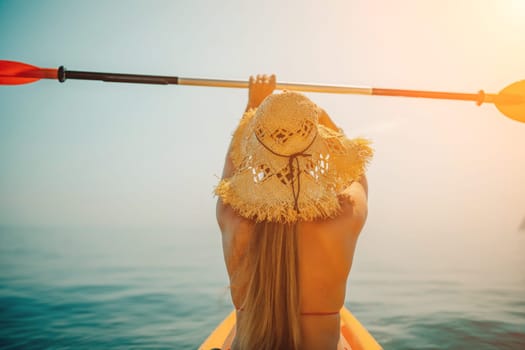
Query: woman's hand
[260,87]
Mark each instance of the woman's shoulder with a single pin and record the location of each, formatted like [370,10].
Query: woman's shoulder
[229,221]
[353,211]
[354,205]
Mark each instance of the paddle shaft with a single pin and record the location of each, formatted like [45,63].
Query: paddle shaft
[64,74]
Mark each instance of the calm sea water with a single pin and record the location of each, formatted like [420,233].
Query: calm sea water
[121,289]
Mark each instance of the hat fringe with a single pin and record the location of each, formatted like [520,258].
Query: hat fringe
[325,207]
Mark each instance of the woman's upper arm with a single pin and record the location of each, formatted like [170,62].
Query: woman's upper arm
[364,184]
[354,204]
[221,208]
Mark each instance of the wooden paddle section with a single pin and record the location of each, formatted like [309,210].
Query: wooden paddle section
[353,335]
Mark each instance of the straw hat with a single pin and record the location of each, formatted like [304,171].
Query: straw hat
[288,167]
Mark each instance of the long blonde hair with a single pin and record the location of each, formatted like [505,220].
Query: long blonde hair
[271,310]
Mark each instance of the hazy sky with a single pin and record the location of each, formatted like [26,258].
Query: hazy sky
[122,155]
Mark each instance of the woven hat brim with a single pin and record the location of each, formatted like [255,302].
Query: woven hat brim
[260,187]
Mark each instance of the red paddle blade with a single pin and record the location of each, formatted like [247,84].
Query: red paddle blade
[17,73]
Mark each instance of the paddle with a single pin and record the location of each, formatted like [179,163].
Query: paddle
[510,101]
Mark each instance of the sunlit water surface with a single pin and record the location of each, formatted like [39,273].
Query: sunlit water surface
[125,289]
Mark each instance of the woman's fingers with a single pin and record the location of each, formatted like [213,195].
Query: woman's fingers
[260,87]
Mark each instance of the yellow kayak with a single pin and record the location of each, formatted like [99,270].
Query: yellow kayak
[353,335]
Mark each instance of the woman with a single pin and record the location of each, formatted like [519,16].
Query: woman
[292,202]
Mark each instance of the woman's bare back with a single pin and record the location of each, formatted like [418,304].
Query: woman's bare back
[326,249]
